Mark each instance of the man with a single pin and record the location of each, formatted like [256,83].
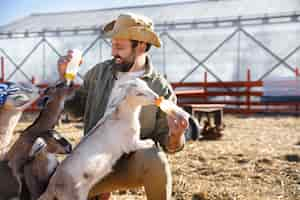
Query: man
[132,37]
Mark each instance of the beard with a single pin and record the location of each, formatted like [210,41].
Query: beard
[123,66]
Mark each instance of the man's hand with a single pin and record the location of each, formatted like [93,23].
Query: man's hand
[62,64]
[177,125]
[177,128]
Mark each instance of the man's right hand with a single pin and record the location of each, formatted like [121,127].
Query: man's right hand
[62,64]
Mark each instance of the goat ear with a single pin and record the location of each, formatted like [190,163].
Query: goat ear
[37,146]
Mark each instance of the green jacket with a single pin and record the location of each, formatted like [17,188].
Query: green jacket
[91,98]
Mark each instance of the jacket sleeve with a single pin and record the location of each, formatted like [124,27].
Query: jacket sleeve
[75,106]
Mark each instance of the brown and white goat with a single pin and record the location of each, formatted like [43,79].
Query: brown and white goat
[38,168]
[11,112]
[47,119]
[43,162]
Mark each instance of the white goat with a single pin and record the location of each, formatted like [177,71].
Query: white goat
[118,132]
[11,112]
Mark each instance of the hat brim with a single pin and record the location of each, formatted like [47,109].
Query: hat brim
[132,33]
[109,27]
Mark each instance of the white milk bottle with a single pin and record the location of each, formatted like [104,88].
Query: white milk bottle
[73,66]
[171,109]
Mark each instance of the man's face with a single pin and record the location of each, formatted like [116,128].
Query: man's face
[123,53]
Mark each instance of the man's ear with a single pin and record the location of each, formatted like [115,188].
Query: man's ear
[141,47]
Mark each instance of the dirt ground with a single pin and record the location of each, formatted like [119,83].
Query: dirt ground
[258,158]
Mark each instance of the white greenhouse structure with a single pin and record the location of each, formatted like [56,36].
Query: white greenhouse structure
[223,37]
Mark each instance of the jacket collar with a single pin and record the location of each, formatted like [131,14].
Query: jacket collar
[148,68]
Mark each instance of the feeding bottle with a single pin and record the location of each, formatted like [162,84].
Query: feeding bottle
[171,108]
[73,66]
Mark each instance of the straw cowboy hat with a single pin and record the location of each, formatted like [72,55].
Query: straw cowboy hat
[132,27]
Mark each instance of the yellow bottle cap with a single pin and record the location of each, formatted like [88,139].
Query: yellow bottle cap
[70,76]
[158,101]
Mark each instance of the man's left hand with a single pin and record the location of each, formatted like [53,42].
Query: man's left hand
[177,125]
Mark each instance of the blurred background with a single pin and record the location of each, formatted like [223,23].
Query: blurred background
[203,41]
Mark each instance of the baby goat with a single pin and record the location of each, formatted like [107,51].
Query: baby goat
[39,166]
[15,98]
[118,132]
[47,119]
[42,162]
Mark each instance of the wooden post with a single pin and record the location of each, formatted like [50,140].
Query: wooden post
[297,72]
[205,86]
[2,69]
[248,98]
[33,80]
[33,105]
